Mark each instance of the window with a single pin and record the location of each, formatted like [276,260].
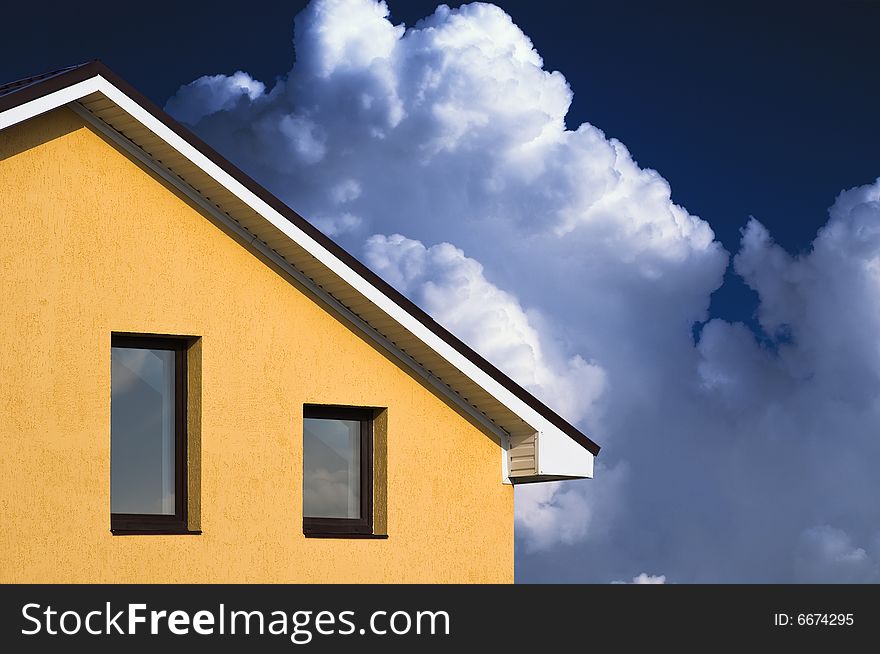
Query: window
[337,471]
[148,486]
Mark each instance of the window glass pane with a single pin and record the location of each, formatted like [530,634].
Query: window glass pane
[142,435]
[331,468]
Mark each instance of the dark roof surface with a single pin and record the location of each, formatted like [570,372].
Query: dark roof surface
[16,93]
[19,84]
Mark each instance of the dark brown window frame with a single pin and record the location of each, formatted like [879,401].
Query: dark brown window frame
[347,527]
[145,523]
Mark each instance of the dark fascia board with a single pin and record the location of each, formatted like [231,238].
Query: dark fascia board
[65,78]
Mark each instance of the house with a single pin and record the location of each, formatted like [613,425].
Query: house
[200,386]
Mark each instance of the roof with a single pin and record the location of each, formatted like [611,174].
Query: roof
[110,103]
[19,84]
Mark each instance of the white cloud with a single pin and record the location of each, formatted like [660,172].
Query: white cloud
[569,512]
[453,289]
[212,93]
[645,579]
[336,224]
[827,555]
[441,155]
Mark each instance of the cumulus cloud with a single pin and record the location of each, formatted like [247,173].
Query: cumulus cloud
[806,399]
[645,579]
[453,289]
[212,93]
[441,155]
[563,512]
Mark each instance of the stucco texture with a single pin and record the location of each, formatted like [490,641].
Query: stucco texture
[94,244]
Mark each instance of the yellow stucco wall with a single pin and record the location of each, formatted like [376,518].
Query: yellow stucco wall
[92,244]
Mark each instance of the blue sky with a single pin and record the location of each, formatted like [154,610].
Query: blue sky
[582,228]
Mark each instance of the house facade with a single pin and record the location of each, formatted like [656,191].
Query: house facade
[198,386]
